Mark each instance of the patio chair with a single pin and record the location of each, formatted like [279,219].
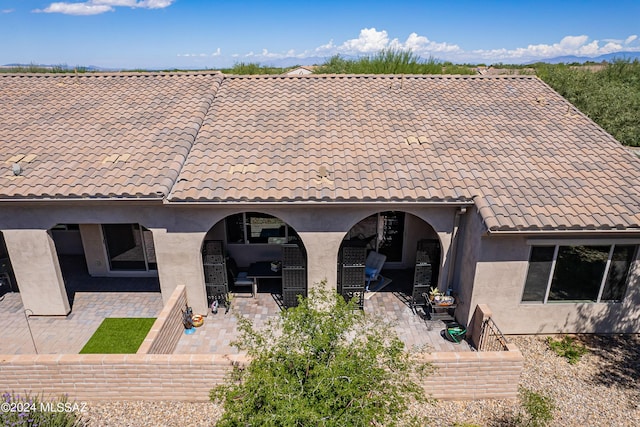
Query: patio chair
[372,267]
[239,277]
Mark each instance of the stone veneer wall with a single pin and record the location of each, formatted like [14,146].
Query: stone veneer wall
[167,329]
[189,377]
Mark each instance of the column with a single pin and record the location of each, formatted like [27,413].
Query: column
[322,257]
[35,264]
[180,263]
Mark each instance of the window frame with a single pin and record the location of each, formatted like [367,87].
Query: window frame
[557,244]
[289,232]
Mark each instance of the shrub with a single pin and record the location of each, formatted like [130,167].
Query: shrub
[322,363]
[537,407]
[29,411]
[390,61]
[568,348]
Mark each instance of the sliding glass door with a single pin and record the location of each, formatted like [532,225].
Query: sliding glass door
[129,247]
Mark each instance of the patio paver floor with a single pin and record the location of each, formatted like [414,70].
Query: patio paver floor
[68,334]
[219,330]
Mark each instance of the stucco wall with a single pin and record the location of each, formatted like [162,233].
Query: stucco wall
[178,233]
[37,271]
[469,246]
[500,274]
[490,269]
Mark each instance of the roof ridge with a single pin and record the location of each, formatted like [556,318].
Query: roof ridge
[174,180]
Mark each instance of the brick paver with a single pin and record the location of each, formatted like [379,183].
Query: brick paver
[219,330]
[68,334]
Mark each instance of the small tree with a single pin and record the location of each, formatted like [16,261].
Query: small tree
[323,363]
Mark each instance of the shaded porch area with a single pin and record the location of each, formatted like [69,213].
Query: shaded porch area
[92,299]
[77,280]
[392,303]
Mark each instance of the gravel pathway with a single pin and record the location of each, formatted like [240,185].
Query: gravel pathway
[601,390]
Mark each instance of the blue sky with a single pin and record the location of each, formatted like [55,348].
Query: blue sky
[214,34]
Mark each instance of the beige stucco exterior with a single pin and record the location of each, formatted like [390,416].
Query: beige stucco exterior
[488,268]
[178,233]
[493,270]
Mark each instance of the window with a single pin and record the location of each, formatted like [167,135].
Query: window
[253,227]
[129,247]
[593,273]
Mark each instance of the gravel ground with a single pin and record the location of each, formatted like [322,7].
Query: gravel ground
[601,390]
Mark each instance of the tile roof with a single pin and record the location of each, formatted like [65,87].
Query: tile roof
[98,135]
[527,157]
[511,145]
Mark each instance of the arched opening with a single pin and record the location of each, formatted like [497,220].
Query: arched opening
[255,254]
[391,252]
[117,257]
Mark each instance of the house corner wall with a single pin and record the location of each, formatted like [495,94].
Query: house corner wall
[469,246]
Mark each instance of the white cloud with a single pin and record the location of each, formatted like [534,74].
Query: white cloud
[7,10]
[95,7]
[371,40]
[200,55]
[568,46]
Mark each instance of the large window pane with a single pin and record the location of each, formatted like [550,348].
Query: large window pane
[616,284]
[540,263]
[262,228]
[578,273]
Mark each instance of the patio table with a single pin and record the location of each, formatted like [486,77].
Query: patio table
[262,270]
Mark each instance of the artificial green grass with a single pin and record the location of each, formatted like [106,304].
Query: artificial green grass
[118,335]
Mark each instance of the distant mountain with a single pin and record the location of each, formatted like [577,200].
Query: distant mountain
[609,57]
[67,67]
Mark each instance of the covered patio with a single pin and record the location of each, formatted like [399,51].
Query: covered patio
[68,334]
[391,304]
[92,300]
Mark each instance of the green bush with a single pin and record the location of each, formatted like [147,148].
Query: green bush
[537,407]
[610,97]
[242,68]
[29,411]
[323,363]
[568,348]
[390,61]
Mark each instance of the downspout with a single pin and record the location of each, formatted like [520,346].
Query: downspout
[454,245]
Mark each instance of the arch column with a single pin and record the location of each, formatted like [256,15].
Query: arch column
[179,259]
[322,255]
[35,264]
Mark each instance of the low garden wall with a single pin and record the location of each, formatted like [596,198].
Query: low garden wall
[167,329]
[189,377]
[155,374]
[474,375]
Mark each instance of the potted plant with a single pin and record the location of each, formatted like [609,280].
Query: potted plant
[434,292]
